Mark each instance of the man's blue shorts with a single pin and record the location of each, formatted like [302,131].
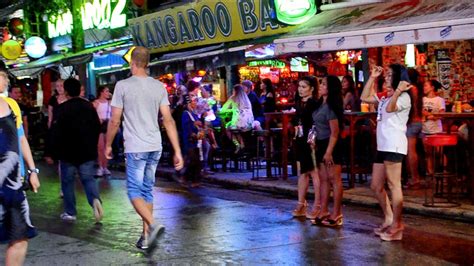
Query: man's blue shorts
[141,168]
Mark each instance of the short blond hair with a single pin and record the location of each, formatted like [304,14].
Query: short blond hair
[141,56]
[4,74]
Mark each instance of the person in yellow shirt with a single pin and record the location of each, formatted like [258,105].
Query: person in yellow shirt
[15,223]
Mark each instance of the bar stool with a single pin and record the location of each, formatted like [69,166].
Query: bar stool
[437,143]
[220,156]
[256,161]
[240,158]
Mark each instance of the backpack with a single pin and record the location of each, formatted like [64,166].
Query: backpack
[16,110]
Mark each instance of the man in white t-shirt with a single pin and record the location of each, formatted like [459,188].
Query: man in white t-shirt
[139,99]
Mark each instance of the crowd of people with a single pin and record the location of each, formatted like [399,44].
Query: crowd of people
[198,114]
[82,133]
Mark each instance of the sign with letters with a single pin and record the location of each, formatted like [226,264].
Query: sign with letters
[269,62]
[98,14]
[205,22]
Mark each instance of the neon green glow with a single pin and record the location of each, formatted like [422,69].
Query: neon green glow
[270,63]
[62,25]
[97,14]
[294,12]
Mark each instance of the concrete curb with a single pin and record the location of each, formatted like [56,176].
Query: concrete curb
[350,197]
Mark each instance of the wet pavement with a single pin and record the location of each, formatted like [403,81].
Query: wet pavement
[211,225]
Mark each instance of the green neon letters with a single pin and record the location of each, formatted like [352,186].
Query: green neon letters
[97,14]
[294,12]
[269,63]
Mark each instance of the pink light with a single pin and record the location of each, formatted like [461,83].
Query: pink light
[197,79]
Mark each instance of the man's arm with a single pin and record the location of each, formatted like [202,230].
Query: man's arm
[172,133]
[30,163]
[50,116]
[112,128]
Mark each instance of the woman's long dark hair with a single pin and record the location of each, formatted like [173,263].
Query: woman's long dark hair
[416,95]
[351,88]
[399,73]
[334,99]
[269,86]
[435,84]
[312,81]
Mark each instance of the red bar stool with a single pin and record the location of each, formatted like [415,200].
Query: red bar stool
[440,175]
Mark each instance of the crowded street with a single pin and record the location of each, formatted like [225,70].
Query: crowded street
[212,225]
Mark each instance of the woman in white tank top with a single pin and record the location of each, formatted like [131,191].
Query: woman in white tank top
[102,105]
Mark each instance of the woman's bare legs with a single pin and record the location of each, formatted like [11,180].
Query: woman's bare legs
[303,184]
[317,189]
[413,160]
[378,186]
[334,177]
[324,183]
[394,172]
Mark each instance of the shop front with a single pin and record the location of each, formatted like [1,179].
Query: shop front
[434,37]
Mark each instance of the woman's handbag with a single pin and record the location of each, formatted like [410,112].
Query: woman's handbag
[312,135]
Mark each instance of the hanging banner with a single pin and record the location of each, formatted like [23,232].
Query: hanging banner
[205,22]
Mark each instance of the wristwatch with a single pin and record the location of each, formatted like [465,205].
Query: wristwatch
[33,170]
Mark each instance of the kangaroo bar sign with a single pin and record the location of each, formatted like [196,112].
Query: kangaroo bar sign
[205,22]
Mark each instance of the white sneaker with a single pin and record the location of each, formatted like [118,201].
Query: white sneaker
[100,171]
[67,217]
[106,171]
[98,210]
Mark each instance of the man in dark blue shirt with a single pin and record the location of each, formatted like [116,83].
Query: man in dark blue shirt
[76,131]
[256,104]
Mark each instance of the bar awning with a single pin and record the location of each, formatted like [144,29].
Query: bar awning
[376,25]
[34,68]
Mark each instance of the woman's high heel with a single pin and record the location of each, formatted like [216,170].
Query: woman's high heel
[381,229]
[320,219]
[300,210]
[392,236]
[314,213]
[339,221]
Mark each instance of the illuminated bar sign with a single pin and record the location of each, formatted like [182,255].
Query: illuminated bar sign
[99,14]
[269,63]
[293,12]
[205,22]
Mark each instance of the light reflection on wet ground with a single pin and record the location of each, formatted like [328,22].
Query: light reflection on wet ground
[212,225]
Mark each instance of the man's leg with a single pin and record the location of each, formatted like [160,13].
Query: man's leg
[86,173]
[136,164]
[152,229]
[148,183]
[67,186]
[16,252]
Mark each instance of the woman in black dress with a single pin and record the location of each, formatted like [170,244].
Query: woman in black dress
[267,98]
[303,121]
